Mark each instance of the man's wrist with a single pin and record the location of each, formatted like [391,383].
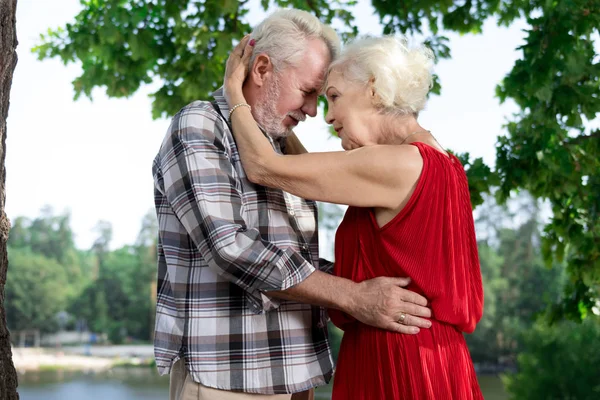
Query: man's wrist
[346,301]
[324,290]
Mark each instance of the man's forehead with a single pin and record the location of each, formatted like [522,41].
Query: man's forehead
[312,79]
[313,68]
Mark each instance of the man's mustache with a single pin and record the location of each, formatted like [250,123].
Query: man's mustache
[297,116]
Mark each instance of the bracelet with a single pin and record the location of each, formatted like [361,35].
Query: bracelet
[238,105]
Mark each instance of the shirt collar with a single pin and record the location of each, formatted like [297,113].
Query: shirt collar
[219,97]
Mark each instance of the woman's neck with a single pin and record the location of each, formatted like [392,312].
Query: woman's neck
[401,130]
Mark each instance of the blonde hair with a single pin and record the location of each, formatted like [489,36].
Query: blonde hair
[283,34]
[401,76]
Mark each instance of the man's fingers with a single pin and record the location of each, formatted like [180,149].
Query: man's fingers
[400,281]
[407,295]
[413,309]
[411,320]
[412,297]
[399,328]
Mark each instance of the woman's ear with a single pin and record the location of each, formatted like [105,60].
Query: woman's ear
[261,69]
[375,99]
[372,88]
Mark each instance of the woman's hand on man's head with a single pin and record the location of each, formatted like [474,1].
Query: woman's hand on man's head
[236,70]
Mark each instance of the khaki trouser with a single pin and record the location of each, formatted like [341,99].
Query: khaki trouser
[183,387]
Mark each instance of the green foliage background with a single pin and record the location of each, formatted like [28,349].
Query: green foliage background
[113,292]
[548,273]
[548,148]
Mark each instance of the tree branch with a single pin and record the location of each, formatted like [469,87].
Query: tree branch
[314,9]
[582,138]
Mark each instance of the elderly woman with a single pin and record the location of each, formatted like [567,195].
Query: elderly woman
[409,215]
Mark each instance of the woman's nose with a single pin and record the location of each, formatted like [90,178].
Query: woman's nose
[329,116]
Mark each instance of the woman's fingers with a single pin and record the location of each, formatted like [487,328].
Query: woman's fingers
[239,49]
[248,48]
[238,60]
[238,52]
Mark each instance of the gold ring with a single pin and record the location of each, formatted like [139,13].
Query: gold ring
[402,318]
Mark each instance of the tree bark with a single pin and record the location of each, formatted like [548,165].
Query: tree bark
[8,61]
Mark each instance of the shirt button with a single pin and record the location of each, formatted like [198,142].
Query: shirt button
[304,247]
[292,213]
[320,325]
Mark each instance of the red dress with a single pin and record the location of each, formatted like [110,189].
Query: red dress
[432,240]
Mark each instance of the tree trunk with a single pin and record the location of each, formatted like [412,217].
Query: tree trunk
[8,61]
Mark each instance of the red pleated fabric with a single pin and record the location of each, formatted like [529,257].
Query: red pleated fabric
[432,240]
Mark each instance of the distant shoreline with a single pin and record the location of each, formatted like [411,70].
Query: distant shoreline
[103,358]
[44,359]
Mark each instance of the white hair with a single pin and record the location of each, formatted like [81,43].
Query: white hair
[401,76]
[283,35]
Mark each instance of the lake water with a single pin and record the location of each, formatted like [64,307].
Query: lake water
[142,383]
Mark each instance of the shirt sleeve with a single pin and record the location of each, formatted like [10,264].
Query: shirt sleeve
[204,190]
[325,266]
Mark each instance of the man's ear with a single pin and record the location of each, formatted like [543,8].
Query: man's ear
[261,69]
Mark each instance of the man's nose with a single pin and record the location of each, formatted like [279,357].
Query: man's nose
[310,106]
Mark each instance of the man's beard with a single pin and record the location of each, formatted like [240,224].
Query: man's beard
[267,115]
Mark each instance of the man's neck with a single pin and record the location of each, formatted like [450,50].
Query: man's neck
[249,94]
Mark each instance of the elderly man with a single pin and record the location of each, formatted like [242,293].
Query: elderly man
[240,286]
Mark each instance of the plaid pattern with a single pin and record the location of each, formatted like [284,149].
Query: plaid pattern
[223,244]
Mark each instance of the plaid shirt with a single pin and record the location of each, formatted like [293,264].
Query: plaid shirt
[224,242]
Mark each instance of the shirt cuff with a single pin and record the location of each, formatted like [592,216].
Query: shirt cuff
[325,266]
[294,269]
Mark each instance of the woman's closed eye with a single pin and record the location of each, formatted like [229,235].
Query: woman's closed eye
[331,93]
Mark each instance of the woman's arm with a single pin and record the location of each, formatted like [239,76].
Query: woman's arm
[373,176]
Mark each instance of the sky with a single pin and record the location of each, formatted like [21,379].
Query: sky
[94,158]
